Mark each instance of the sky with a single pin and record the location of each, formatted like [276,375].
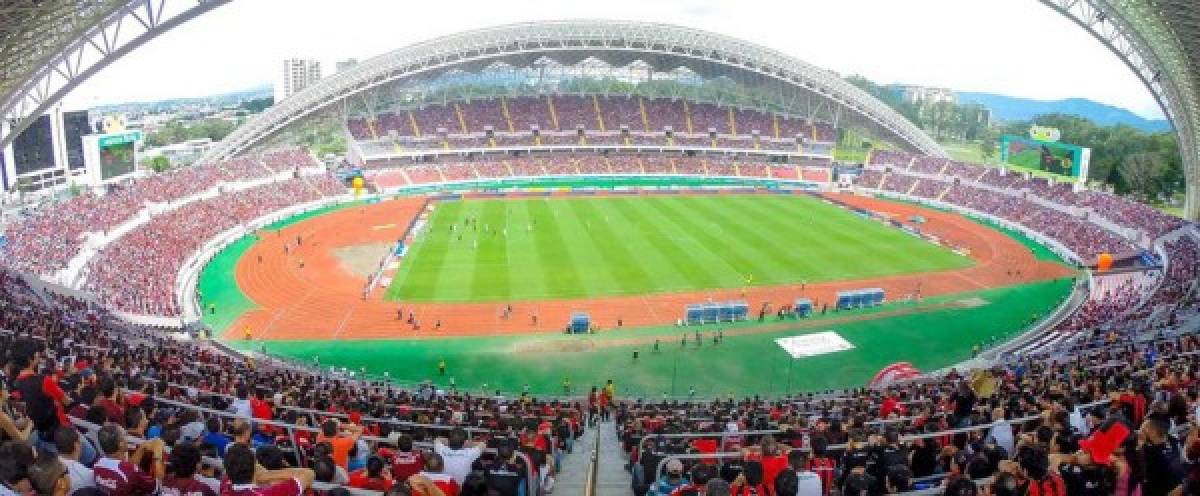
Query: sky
[1014,47]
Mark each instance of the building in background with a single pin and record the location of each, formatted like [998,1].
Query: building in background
[297,75]
[925,94]
[342,65]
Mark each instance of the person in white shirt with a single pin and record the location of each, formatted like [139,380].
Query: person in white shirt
[458,454]
[241,406]
[808,483]
[68,442]
[1001,432]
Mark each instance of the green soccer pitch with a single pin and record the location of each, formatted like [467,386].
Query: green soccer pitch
[548,248]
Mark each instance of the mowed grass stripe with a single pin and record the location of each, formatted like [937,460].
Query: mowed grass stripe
[880,243]
[860,248]
[458,264]
[795,220]
[489,277]
[689,239]
[523,253]
[654,252]
[748,230]
[562,279]
[590,263]
[611,254]
[789,220]
[732,250]
[680,258]
[854,240]
[420,280]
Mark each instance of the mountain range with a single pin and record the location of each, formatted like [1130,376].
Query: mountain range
[1008,108]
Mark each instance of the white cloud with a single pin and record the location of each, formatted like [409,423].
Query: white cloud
[1019,48]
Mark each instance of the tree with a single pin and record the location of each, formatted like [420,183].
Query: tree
[1143,172]
[158,164]
[177,132]
[258,104]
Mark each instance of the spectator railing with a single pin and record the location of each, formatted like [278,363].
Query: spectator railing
[835,447]
[589,484]
[135,441]
[321,413]
[724,435]
[531,470]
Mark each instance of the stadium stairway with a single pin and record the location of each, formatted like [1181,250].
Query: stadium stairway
[611,477]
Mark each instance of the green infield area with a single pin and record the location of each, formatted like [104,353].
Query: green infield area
[546,248]
[936,333]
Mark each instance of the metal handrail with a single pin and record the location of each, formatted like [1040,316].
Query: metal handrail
[589,484]
[310,412]
[531,474]
[912,437]
[217,462]
[723,435]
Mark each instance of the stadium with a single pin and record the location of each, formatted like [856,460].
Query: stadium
[539,225]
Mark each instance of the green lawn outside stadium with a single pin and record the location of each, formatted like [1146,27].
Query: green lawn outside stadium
[546,248]
[748,362]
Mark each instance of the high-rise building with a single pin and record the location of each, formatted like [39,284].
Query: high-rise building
[297,75]
[342,65]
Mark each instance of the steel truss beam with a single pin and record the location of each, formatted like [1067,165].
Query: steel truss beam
[112,37]
[647,40]
[1133,32]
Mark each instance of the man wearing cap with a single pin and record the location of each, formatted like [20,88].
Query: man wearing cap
[668,483]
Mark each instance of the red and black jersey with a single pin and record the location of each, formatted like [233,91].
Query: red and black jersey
[824,467]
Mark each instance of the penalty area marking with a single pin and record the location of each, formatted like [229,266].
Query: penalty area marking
[818,343]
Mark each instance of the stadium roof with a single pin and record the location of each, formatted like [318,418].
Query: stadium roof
[48,47]
[664,47]
[1159,40]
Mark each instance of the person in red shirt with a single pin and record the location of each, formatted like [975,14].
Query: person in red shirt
[244,478]
[406,462]
[822,464]
[750,482]
[771,455]
[117,473]
[376,477]
[110,400]
[706,446]
[260,409]
[44,399]
[435,472]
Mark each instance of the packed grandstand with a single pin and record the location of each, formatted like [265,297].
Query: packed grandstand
[1100,401]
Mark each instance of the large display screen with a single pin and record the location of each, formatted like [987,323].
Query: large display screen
[75,127]
[116,160]
[1045,156]
[118,155]
[33,149]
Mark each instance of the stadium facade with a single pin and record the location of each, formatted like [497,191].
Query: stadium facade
[645,51]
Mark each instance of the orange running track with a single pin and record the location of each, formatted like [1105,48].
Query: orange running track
[322,300]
